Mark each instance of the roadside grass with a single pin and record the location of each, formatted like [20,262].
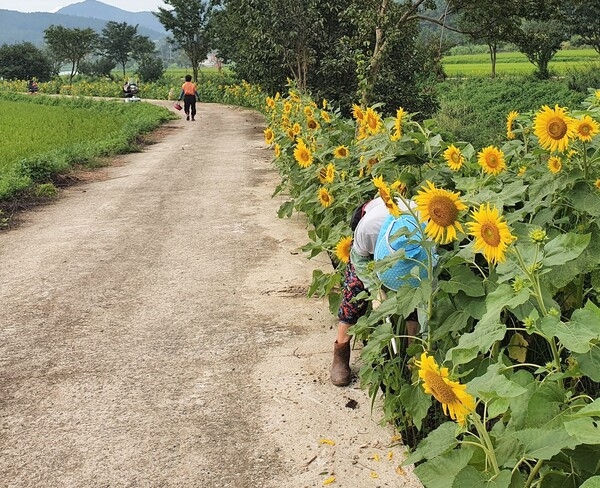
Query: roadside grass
[43,137]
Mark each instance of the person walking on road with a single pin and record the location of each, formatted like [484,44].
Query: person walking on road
[189,95]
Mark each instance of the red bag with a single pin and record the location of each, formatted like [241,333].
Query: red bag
[177,106]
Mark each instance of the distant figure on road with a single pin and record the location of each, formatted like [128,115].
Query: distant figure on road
[32,87]
[189,95]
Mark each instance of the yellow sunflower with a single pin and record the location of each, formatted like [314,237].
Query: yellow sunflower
[342,249]
[454,157]
[312,124]
[269,136]
[324,103]
[327,174]
[554,128]
[586,128]
[325,198]
[492,235]
[270,103]
[357,113]
[555,164]
[378,182]
[325,116]
[456,402]
[287,107]
[522,170]
[491,159]
[510,120]
[439,209]
[297,128]
[597,183]
[372,121]
[397,133]
[308,111]
[302,154]
[277,150]
[341,152]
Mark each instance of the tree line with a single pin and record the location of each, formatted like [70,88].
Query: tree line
[341,50]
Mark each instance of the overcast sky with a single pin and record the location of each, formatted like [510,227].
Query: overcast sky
[54,5]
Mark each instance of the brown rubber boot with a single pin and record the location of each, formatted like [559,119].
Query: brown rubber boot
[340,369]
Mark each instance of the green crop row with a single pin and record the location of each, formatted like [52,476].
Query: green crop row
[43,136]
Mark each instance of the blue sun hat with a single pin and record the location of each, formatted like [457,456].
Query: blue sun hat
[390,240]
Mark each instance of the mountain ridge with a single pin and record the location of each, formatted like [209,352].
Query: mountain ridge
[17,27]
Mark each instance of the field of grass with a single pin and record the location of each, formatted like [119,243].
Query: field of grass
[41,136]
[515,63]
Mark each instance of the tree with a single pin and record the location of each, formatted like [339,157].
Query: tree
[70,45]
[24,61]
[187,22]
[142,47]
[582,16]
[101,67]
[150,68]
[115,41]
[491,22]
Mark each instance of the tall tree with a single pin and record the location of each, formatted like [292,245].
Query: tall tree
[582,16]
[24,61]
[70,45]
[187,21]
[491,22]
[115,41]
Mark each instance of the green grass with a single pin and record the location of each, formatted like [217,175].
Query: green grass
[514,63]
[41,136]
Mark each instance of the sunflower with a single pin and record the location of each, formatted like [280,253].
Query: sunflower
[325,116]
[270,103]
[510,120]
[522,170]
[372,122]
[491,159]
[586,128]
[555,164]
[302,154]
[492,235]
[554,128]
[342,249]
[325,198]
[357,113]
[312,124]
[397,134]
[324,104]
[269,136]
[439,208]
[456,402]
[597,183]
[378,181]
[297,128]
[454,157]
[341,152]
[287,107]
[308,111]
[327,174]
[277,150]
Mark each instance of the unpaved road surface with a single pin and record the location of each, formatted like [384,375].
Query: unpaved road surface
[155,331]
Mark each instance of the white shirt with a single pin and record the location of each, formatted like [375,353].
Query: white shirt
[367,230]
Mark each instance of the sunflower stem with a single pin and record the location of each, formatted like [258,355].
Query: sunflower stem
[483,434]
[533,473]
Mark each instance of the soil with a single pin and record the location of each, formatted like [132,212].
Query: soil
[155,331]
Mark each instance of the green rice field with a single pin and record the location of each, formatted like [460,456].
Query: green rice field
[41,136]
[515,63]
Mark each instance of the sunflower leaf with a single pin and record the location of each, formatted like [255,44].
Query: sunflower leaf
[589,362]
[473,478]
[494,384]
[585,430]
[543,443]
[480,340]
[564,248]
[438,442]
[440,472]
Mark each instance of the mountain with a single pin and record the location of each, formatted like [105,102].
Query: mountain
[99,10]
[16,27]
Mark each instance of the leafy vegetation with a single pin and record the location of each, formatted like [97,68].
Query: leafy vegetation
[501,385]
[37,142]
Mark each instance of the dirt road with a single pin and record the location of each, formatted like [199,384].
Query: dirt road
[155,331]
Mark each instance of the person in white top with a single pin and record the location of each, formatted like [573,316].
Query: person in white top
[357,280]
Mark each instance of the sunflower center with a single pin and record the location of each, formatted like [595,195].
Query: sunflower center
[557,128]
[304,156]
[490,234]
[443,211]
[455,158]
[492,160]
[442,392]
[584,130]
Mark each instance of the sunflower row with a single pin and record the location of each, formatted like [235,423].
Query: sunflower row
[510,311]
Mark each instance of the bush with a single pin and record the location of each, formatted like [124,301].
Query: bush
[580,79]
